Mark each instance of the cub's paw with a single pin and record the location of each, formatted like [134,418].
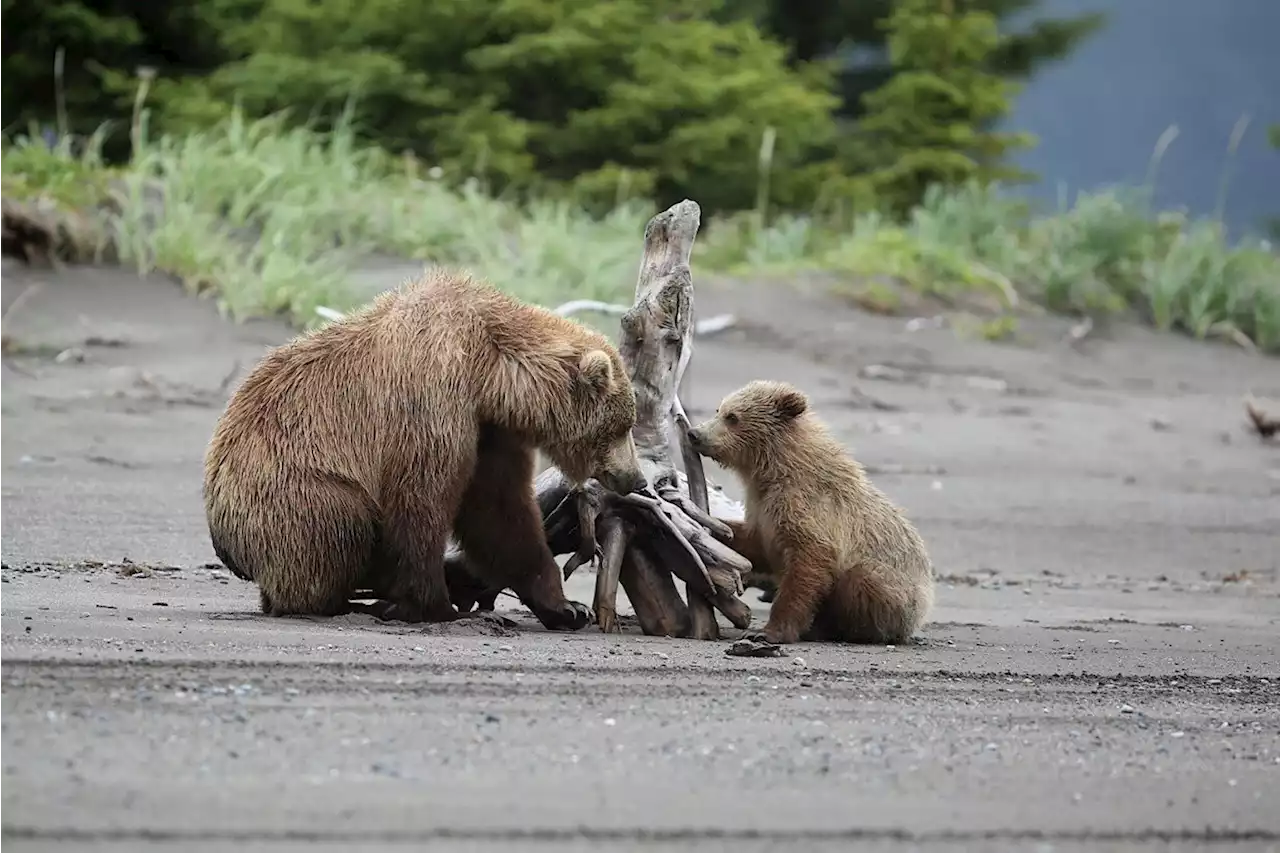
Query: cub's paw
[746,648]
[572,617]
[772,636]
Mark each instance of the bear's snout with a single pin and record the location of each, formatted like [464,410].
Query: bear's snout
[696,441]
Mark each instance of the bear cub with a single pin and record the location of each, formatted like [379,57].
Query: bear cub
[349,456]
[850,567]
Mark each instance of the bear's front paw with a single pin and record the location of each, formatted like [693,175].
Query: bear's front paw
[572,617]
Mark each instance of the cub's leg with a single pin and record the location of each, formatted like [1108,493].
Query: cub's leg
[808,575]
[499,528]
[747,543]
[872,604]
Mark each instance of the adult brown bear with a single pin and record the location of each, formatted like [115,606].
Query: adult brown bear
[348,456]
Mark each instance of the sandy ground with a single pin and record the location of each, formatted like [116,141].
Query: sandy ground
[1102,671]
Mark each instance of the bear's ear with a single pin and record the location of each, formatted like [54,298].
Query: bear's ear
[792,404]
[596,370]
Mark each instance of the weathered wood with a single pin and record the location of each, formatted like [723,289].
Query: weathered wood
[616,532]
[657,344]
[723,506]
[652,592]
[644,541]
[667,530]
[44,233]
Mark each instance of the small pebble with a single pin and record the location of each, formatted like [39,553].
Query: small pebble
[610,722]
[800,662]
[1126,709]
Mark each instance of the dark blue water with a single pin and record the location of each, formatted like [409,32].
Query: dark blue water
[1199,64]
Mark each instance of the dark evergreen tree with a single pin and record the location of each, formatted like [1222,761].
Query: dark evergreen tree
[652,94]
[847,31]
[930,123]
[97,39]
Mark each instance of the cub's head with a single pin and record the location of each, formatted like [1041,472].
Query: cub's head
[594,437]
[750,423]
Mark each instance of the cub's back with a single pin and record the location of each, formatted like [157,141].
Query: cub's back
[843,501]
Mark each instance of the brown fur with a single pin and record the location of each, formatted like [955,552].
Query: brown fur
[850,566]
[349,455]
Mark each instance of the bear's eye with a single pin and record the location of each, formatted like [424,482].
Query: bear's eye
[731,419]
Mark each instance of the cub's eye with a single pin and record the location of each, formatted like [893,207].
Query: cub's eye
[731,419]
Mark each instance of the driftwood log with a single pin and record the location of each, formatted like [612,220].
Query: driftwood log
[641,541]
[1265,425]
[644,542]
[43,233]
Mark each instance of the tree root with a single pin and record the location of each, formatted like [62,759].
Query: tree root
[643,542]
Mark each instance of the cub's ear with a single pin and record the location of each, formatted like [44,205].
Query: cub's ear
[595,370]
[792,403]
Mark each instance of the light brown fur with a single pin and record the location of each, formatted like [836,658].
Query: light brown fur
[851,567]
[348,456]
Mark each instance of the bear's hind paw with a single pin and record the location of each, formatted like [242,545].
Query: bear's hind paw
[487,616]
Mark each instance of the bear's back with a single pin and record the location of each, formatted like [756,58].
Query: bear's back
[384,377]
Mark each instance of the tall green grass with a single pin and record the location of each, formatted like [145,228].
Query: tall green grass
[1107,253]
[272,218]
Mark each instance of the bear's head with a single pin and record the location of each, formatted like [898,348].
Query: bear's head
[750,425]
[593,438]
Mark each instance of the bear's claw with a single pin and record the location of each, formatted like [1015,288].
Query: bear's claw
[572,617]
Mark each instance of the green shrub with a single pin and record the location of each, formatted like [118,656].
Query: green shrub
[929,124]
[270,217]
[1104,255]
